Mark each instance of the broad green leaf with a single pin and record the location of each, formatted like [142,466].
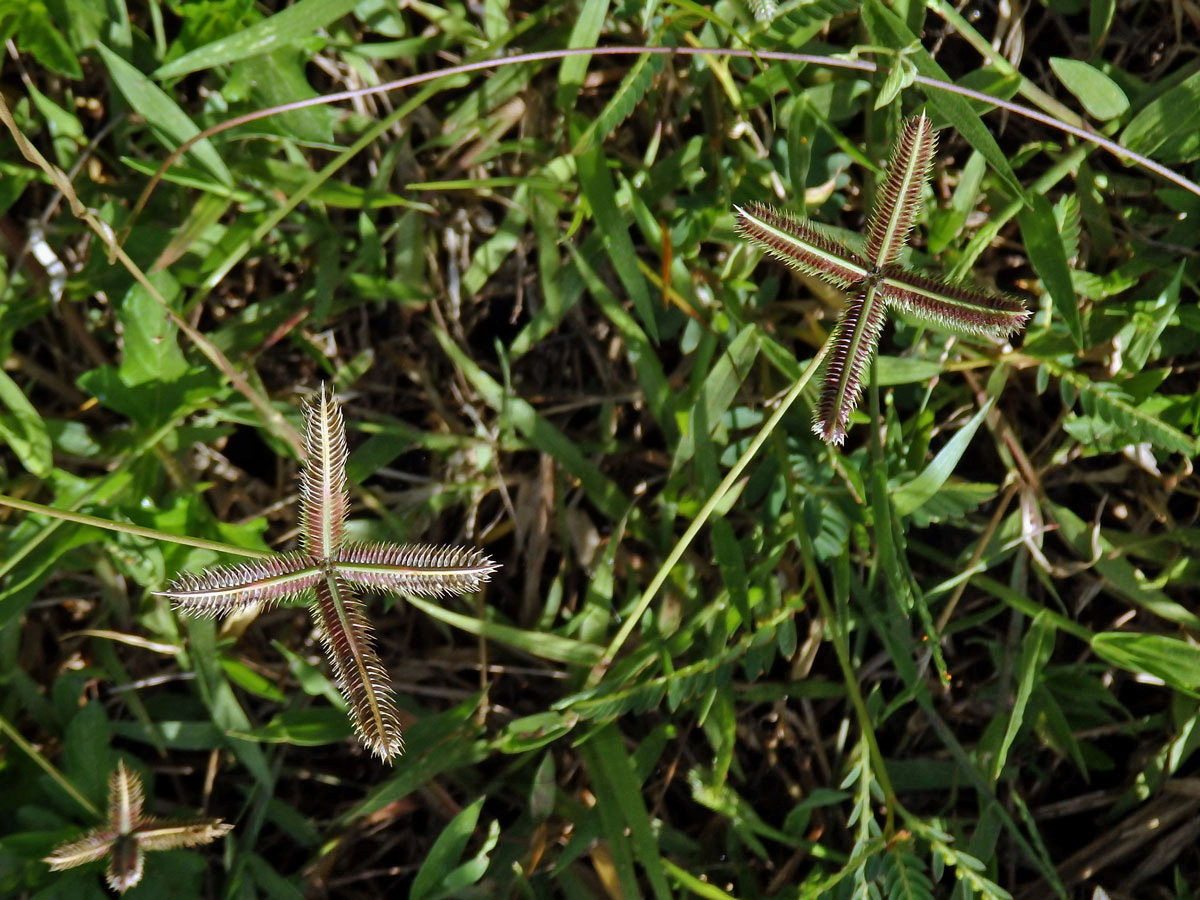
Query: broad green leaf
[1099,94]
[23,430]
[280,30]
[1044,245]
[37,35]
[65,127]
[313,727]
[892,370]
[151,340]
[279,77]
[920,489]
[530,732]
[167,121]
[249,680]
[1142,334]
[1175,661]
[446,851]
[1168,127]
[1100,16]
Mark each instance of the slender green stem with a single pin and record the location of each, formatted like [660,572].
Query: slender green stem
[98,492]
[57,776]
[126,528]
[702,517]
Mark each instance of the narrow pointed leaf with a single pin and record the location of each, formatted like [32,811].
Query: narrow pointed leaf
[855,338]
[415,568]
[92,846]
[801,244]
[899,200]
[125,799]
[171,834]
[222,589]
[959,307]
[348,640]
[323,496]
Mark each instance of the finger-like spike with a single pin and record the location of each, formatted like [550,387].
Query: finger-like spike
[899,199]
[348,640]
[125,866]
[419,569]
[125,799]
[129,833]
[92,846]
[853,342]
[958,307]
[171,834]
[801,244]
[324,499]
[222,589]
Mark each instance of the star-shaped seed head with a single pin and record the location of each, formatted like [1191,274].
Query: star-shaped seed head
[875,280]
[326,570]
[128,833]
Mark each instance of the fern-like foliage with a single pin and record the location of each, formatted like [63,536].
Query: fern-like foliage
[714,672]
[129,832]
[875,280]
[326,570]
[630,91]
[1114,418]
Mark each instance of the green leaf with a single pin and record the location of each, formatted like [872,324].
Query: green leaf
[1045,248]
[1176,662]
[313,727]
[151,340]
[629,93]
[1035,653]
[249,680]
[626,821]
[1150,321]
[280,30]
[23,429]
[37,35]
[541,644]
[893,370]
[589,21]
[1168,128]
[273,79]
[889,29]
[920,489]
[1099,94]
[1108,401]
[432,879]
[597,187]
[167,121]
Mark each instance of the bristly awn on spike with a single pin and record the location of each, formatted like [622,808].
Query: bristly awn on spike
[326,569]
[129,833]
[875,281]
